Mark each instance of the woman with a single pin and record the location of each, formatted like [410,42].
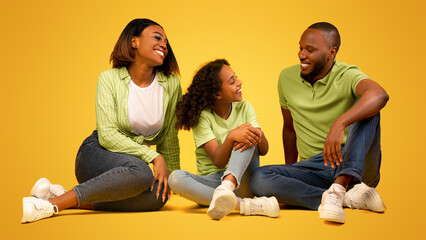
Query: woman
[135,108]
[228,140]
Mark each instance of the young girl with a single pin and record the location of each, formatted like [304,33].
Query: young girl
[135,108]
[228,139]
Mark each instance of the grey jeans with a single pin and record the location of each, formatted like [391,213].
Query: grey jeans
[200,188]
[113,181]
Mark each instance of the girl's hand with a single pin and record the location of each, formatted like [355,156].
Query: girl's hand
[245,134]
[243,146]
[238,145]
[161,175]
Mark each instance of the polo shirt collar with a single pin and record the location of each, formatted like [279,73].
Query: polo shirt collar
[324,80]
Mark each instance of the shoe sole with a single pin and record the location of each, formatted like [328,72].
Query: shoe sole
[378,205]
[25,211]
[221,206]
[37,188]
[331,215]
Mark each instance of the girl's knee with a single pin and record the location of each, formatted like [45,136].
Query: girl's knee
[175,177]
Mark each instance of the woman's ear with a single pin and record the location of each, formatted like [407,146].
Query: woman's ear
[135,42]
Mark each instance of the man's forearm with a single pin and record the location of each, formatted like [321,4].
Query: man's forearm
[370,103]
[289,144]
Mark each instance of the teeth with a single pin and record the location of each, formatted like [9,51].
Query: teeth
[239,91]
[304,65]
[159,52]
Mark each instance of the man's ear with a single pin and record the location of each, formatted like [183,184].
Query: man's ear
[332,53]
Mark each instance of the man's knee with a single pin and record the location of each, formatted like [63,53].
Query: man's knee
[259,180]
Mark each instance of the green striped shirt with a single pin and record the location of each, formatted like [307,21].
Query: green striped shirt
[115,133]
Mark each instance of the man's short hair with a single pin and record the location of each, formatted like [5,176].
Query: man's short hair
[330,32]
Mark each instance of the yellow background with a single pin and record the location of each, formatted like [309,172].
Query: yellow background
[53,51]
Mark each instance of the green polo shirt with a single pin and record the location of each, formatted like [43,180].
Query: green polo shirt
[314,108]
[211,126]
[115,133]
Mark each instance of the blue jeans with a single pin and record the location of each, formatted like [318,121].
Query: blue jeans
[303,183]
[200,188]
[113,181]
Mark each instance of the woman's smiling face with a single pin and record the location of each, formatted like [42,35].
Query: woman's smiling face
[151,46]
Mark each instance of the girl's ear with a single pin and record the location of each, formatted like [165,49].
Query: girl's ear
[218,96]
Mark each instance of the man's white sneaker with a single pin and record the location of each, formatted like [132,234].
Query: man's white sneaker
[34,209]
[364,197]
[223,202]
[331,207]
[44,189]
[260,206]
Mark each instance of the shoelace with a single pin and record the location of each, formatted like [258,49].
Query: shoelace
[256,207]
[353,203]
[45,208]
[334,198]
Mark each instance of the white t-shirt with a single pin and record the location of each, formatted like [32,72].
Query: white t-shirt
[145,108]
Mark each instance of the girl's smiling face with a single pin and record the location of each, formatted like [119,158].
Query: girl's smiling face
[231,85]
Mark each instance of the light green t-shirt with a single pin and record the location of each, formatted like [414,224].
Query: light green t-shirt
[211,126]
[315,108]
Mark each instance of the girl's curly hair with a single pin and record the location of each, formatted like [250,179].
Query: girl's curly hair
[202,93]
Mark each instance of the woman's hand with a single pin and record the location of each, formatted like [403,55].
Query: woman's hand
[161,175]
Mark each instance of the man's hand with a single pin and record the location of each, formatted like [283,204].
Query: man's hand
[333,143]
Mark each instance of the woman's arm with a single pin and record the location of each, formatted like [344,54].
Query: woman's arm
[110,136]
[169,148]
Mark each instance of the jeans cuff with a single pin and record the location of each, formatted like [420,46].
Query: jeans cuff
[226,173]
[354,174]
[78,195]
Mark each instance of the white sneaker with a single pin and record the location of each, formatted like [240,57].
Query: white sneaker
[260,206]
[44,189]
[223,202]
[364,197]
[331,207]
[34,209]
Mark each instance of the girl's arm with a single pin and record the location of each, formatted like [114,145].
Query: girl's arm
[263,144]
[244,133]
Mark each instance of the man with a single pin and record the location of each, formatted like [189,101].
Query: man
[320,98]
